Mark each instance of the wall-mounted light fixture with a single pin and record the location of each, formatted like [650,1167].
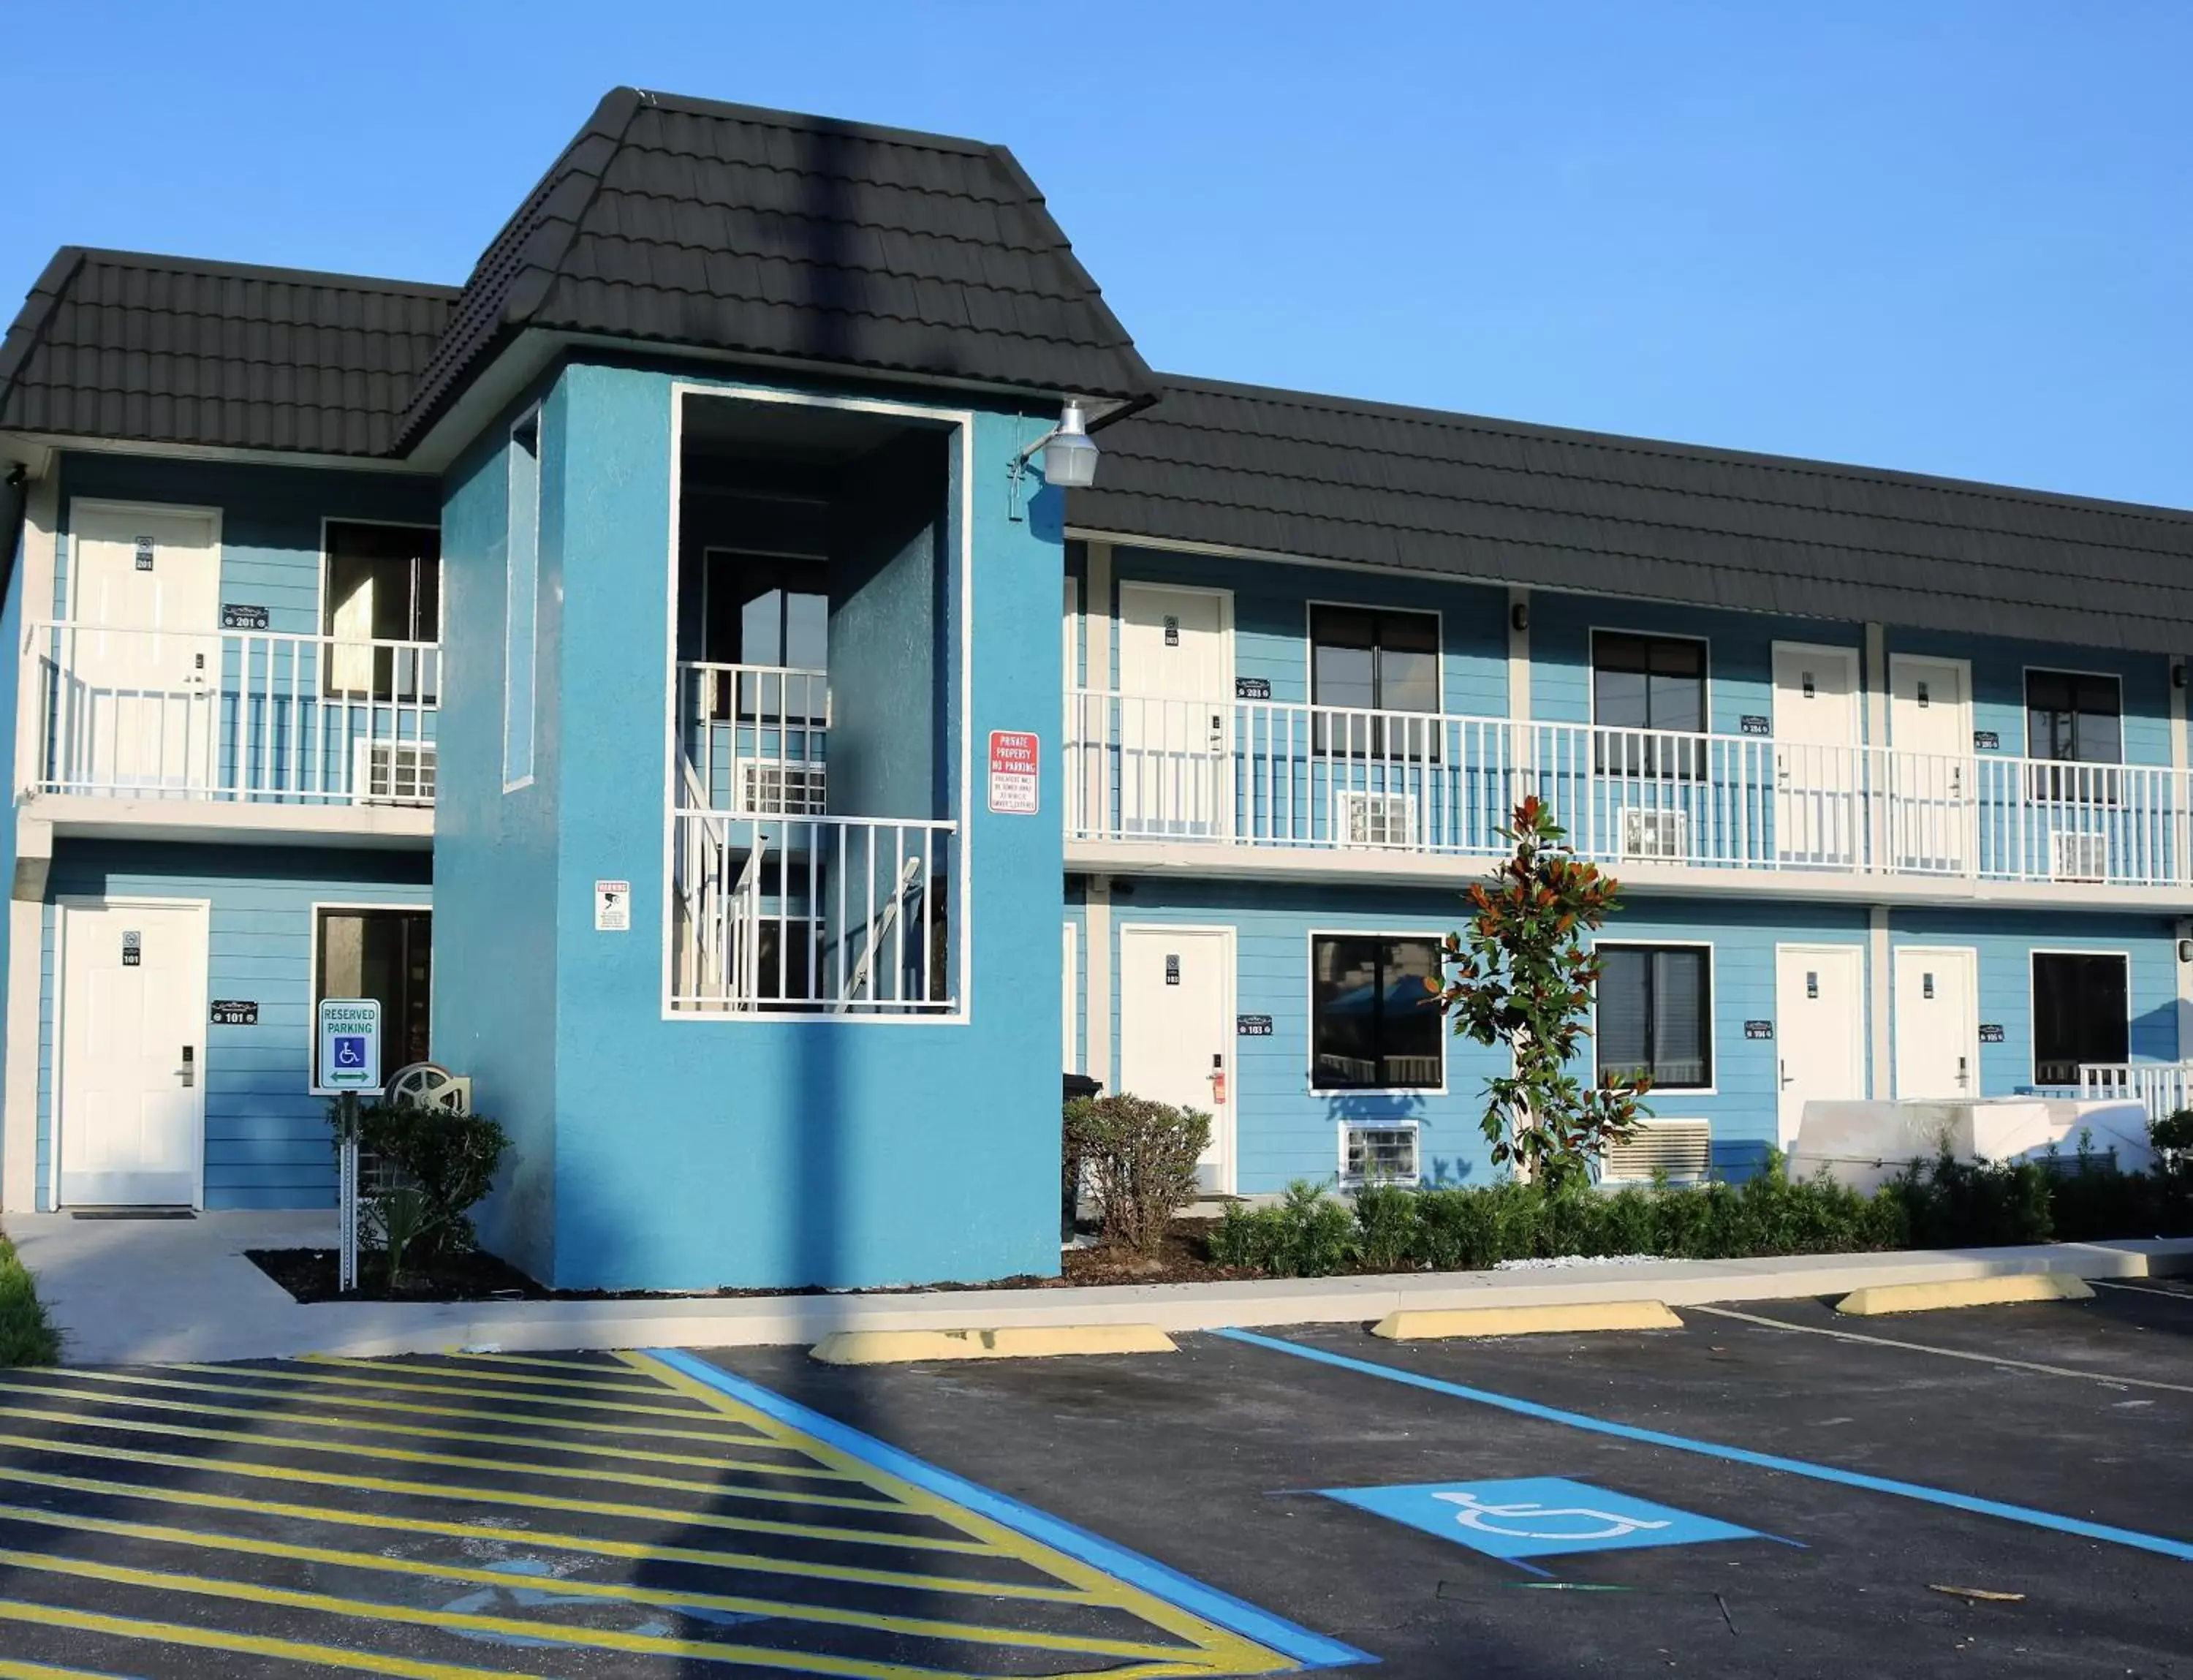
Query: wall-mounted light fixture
[2185,950]
[1069,455]
[1519,617]
[2178,673]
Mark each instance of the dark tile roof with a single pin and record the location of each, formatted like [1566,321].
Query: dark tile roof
[115,344]
[687,222]
[1324,479]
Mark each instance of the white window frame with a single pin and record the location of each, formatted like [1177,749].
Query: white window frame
[1351,1181]
[312,912]
[1310,1086]
[1712,1088]
[516,775]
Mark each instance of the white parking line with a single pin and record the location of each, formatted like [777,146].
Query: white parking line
[2177,1295]
[1946,1353]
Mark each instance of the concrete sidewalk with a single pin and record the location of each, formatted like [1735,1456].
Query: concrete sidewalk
[130,1291]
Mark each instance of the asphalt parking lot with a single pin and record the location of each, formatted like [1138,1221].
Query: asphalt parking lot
[1769,1491]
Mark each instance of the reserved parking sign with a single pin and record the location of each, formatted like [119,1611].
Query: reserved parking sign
[350,1044]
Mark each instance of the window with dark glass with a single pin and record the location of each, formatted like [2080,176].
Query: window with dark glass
[385,955]
[1373,1025]
[1643,689]
[1656,1014]
[1363,660]
[771,610]
[2074,720]
[2079,1014]
[384,585]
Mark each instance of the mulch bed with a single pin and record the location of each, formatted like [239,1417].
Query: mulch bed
[309,1275]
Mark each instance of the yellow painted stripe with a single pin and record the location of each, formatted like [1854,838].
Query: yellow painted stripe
[515,1379]
[418,1408]
[561,1633]
[352,1449]
[919,1628]
[754,1563]
[1229,1652]
[12,1669]
[529,1501]
[421,1431]
[266,1373]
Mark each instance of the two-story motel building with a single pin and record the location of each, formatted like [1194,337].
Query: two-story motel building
[373,638]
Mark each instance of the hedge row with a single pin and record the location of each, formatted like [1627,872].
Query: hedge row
[1946,1204]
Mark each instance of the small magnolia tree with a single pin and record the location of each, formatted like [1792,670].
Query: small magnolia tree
[1521,977]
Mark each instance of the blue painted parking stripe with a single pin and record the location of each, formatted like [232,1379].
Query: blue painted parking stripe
[1312,1650]
[1848,1478]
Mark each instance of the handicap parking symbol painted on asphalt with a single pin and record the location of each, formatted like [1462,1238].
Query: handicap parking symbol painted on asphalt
[1537,1516]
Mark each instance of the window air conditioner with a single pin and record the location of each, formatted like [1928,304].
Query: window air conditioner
[395,773]
[1682,1149]
[1366,819]
[782,789]
[2079,857]
[1657,834]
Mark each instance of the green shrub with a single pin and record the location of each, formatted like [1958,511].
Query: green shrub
[1950,1203]
[434,1168]
[1305,1234]
[1388,1233]
[27,1336]
[1140,1158]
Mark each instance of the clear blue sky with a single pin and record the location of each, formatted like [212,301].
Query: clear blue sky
[1956,238]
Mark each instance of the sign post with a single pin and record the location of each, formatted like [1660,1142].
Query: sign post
[350,1063]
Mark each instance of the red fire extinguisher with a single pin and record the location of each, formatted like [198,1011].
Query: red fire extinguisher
[1218,1081]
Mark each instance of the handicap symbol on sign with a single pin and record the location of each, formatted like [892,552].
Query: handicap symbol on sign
[350,1053]
[1536,1521]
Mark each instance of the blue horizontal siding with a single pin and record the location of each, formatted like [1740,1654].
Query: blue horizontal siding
[266,1137]
[270,520]
[1284,1130]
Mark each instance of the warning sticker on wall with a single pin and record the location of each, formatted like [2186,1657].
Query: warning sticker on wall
[612,907]
[1014,762]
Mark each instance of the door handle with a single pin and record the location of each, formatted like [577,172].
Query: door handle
[188,1073]
[1217,731]
[1961,1074]
[1784,1065]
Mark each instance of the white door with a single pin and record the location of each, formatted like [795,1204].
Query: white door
[1175,707]
[141,672]
[1819,1029]
[1930,727]
[1816,782]
[131,1109]
[1938,1034]
[1176,1030]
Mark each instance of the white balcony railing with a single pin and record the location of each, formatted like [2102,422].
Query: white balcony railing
[2162,1088]
[1260,773]
[237,715]
[755,737]
[811,915]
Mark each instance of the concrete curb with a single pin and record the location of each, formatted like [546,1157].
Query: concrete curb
[144,1294]
[900,1347]
[1978,1291]
[1546,1320]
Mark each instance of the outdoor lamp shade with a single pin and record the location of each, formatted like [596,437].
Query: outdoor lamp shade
[1069,458]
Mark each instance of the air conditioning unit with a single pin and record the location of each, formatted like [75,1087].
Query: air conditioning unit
[782,789]
[1379,1155]
[2079,857]
[394,772]
[1366,819]
[1682,1149]
[1655,835]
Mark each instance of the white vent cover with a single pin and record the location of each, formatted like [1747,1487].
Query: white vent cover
[782,789]
[1379,1155]
[1656,834]
[2079,857]
[390,773]
[1362,819]
[1682,1149]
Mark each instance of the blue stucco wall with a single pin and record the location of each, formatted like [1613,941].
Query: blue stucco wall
[270,520]
[265,1136]
[495,852]
[690,1153]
